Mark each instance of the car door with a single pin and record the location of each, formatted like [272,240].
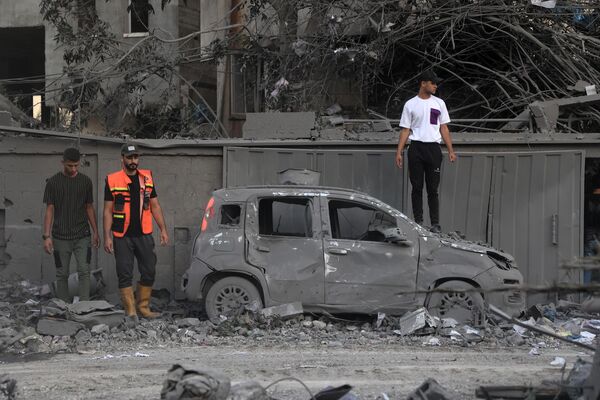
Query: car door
[283,238]
[361,269]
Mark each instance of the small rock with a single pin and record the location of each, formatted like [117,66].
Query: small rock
[83,336]
[351,328]
[334,343]
[320,325]
[515,339]
[307,324]
[100,328]
[188,322]
[152,334]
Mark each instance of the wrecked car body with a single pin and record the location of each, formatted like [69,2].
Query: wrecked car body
[338,250]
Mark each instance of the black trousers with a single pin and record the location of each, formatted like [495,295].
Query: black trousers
[424,162]
[142,248]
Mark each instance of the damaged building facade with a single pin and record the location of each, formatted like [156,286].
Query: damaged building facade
[36,77]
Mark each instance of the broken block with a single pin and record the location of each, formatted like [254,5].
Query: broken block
[58,327]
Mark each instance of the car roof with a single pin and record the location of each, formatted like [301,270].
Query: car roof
[240,193]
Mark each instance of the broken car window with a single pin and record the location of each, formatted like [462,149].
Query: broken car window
[354,221]
[230,214]
[285,217]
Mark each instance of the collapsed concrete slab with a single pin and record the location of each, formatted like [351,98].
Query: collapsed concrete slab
[58,327]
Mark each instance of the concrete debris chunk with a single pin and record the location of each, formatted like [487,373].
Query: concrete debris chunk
[58,327]
[100,328]
[591,304]
[182,383]
[413,321]
[96,312]
[319,325]
[284,310]
[188,322]
[432,390]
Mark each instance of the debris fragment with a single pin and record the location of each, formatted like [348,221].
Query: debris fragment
[416,320]
[58,327]
[283,310]
[558,362]
[432,390]
[183,383]
[8,387]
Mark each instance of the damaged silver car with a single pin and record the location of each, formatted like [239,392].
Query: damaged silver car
[338,250]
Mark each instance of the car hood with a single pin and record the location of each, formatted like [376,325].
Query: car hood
[473,247]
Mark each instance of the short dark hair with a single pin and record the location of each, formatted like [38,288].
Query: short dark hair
[429,76]
[71,154]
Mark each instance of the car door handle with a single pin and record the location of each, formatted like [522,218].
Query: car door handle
[337,250]
[263,249]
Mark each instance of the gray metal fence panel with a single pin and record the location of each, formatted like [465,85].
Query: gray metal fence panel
[537,217]
[528,204]
[368,171]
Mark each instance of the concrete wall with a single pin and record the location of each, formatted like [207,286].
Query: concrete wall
[184,178]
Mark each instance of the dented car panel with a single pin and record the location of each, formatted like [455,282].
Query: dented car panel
[293,266]
[369,274]
[339,250]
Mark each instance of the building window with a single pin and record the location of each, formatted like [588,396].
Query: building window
[138,16]
[245,75]
[285,217]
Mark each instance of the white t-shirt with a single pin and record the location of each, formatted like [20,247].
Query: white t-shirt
[424,117]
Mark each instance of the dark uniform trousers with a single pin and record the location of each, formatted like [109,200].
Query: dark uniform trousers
[424,163]
[140,247]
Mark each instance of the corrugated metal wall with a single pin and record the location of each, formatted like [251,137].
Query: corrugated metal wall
[528,204]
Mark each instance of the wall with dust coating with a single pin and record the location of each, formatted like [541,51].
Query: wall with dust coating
[184,179]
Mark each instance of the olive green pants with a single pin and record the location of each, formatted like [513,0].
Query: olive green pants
[82,250]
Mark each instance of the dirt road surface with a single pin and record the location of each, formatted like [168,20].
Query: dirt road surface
[393,370]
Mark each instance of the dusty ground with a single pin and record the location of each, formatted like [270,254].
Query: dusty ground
[394,369]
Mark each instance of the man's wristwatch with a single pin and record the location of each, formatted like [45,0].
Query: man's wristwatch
[45,237]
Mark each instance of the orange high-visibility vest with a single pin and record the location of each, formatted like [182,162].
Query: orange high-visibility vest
[118,184]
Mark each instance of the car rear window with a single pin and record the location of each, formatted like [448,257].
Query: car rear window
[285,217]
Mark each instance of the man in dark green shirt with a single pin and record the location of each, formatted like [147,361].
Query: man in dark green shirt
[69,216]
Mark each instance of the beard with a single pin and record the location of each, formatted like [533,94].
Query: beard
[131,167]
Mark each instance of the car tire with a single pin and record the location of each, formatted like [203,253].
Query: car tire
[229,297]
[464,307]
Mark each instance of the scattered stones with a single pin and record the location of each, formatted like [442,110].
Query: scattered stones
[319,325]
[100,328]
[188,322]
[307,324]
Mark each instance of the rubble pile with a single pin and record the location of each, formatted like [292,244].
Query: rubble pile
[31,322]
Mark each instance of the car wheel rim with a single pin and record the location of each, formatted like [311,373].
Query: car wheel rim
[231,300]
[458,306]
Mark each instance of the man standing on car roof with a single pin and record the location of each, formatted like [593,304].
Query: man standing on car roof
[130,203]
[425,122]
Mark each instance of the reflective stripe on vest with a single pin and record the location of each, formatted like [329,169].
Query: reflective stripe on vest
[118,183]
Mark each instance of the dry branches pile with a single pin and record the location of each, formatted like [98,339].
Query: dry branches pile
[495,56]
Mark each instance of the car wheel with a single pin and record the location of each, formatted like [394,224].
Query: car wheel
[229,297]
[463,306]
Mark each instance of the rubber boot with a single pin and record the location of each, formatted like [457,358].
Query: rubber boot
[143,305]
[128,301]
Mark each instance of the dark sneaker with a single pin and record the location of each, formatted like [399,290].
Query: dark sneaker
[436,228]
